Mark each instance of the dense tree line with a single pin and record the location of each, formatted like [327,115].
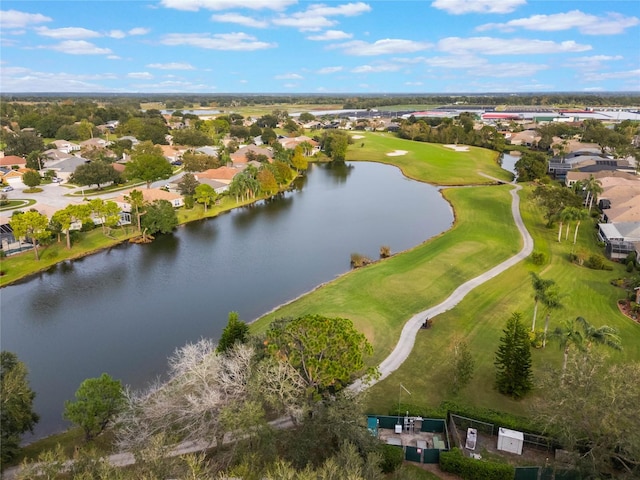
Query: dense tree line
[451,131]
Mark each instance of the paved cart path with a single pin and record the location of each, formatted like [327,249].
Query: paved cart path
[413,325]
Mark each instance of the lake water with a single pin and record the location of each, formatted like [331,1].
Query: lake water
[123,311]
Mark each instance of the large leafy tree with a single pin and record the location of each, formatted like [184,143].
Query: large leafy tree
[513,359]
[97,402]
[531,166]
[70,214]
[592,410]
[327,352]
[148,164]
[188,184]
[554,199]
[23,143]
[95,173]
[160,217]
[16,400]
[32,225]
[205,194]
[267,181]
[31,178]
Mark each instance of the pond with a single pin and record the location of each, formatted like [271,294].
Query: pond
[123,311]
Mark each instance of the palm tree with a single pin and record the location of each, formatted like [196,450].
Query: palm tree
[581,214]
[593,188]
[540,288]
[580,335]
[563,215]
[551,300]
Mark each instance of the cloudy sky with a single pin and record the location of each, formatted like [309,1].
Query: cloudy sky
[296,46]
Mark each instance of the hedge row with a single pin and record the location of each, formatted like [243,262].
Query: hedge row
[471,469]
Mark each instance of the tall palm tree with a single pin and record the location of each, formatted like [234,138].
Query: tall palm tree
[580,334]
[551,300]
[581,214]
[593,188]
[540,287]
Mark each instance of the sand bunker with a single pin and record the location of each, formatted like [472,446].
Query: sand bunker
[397,153]
[357,137]
[458,148]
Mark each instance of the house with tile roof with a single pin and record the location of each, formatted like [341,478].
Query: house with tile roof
[150,195]
[240,155]
[66,146]
[222,174]
[12,161]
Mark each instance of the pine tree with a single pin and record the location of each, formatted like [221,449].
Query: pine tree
[513,359]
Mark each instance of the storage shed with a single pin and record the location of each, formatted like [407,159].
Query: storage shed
[510,440]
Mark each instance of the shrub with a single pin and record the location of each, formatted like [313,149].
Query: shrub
[471,469]
[597,262]
[189,202]
[392,457]
[385,251]
[538,258]
[358,260]
[536,338]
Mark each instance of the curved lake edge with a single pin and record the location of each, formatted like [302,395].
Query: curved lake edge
[115,242]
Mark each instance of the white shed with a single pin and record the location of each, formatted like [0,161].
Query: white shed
[510,440]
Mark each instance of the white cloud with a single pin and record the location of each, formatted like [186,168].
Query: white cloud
[116,34]
[315,17]
[376,68]
[503,70]
[78,47]
[458,61]
[610,24]
[632,74]
[140,75]
[381,47]
[19,79]
[240,20]
[289,76]
[68,33]
[330,35]
[304,22]
[593,62]
[511,46]
[219,41]
[174,86]
[347,9]
[328,70]
[457,7]
[195,5]
[171,66]
[138,31]
[413,84]
[113,57]
[16,19]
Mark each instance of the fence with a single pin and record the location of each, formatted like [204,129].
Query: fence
[464,422]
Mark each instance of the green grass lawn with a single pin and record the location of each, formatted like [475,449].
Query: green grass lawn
[23,264]
[429,162]
[480,317]
[382,297]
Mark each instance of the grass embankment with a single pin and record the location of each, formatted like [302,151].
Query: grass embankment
[480,318]
[429,162]
[380,298]
[24,264]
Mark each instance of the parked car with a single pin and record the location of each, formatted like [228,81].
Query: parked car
[8,188]
[56,180]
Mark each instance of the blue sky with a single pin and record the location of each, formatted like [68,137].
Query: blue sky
[289,46]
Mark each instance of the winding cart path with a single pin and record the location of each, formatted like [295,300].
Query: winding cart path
[408,335]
